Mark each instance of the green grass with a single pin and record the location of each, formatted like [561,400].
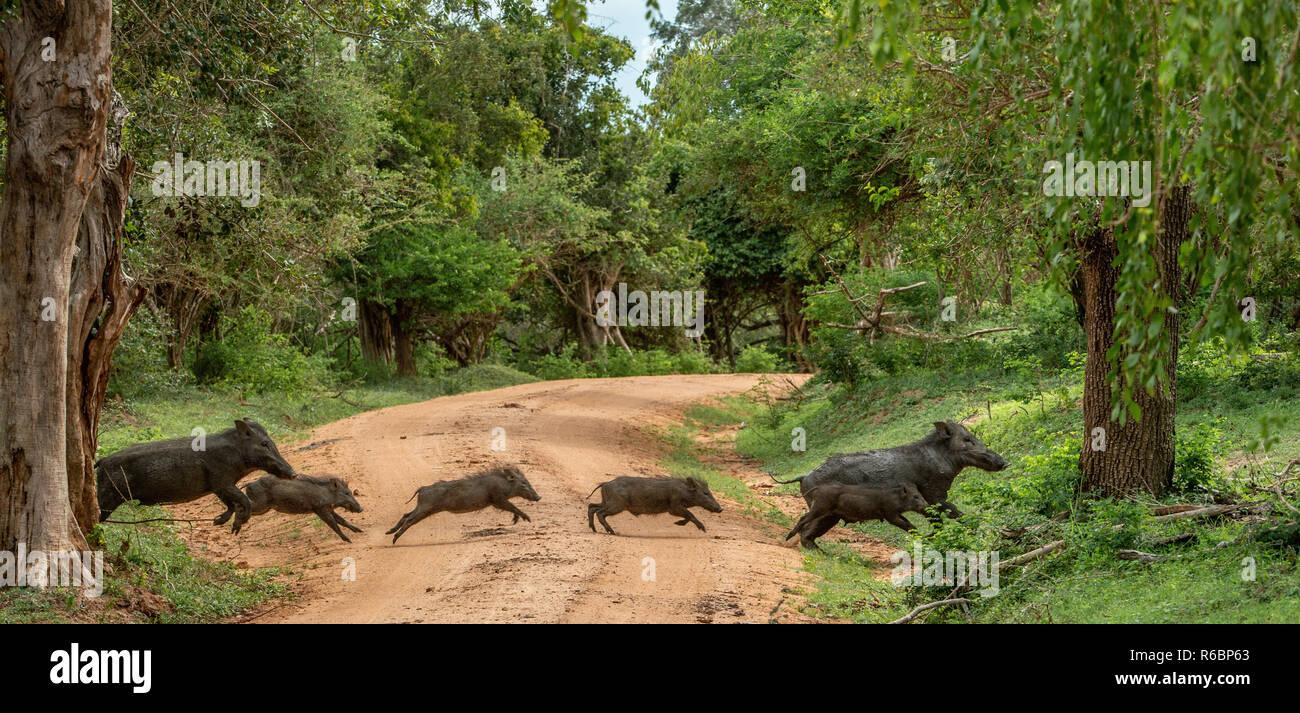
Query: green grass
[1198,581]
[149,575]
[683,460]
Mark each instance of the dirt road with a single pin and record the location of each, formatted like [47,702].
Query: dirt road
[568,436]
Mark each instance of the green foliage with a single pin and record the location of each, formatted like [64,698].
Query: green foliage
[1197,451]
[139,365]
[756,360]
[252,356]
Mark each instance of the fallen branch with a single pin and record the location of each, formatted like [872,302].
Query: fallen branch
[154,519]
[1186,536]
[926,607]
[1138,556]
[1171,509]
[1209,511]
[1032,554]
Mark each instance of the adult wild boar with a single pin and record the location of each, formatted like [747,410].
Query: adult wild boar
[830,503]
[172,471]
[300,496]
[930,464]
[492,487]
[647,496]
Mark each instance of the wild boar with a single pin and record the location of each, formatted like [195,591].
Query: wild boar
[648,496]
[830,503]
[174,471]
[492,487]
[299,496]
[930,464]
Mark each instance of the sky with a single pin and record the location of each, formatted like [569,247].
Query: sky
[626,18]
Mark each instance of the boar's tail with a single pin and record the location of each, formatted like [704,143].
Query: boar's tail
[593,491]
[417,492]
[792,480]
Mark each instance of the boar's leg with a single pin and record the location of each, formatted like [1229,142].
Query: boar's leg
[807,517]
[510,508]
[419,513]
[591,515]
[602,512]
[327,514]
[687,516]
[223,517]
[339,519]
[816,528]
[235,500]
[897,520]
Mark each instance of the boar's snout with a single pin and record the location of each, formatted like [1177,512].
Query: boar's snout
[703,496]
[996,462]
[519,485]
[912,499]
[259,450]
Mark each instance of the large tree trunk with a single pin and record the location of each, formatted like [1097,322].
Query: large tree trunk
[103,298]
[376,327]
[403,344]
[1138,456]
[58,112]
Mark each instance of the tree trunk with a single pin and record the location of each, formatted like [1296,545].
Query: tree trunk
[403,345]
[57,113]
[376,327]
[103,298]
[1138,456]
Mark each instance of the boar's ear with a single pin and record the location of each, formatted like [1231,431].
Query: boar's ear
[242,426]
[692,483]
[942,428]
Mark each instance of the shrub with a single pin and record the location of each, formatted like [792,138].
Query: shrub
[756,360]
[692,362]
[559,366]
[251,356]
[1196,455]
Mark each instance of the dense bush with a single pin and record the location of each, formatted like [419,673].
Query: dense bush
[252,356]
[1196,454]
[755,360]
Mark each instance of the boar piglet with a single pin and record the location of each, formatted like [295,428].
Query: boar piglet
[300,496]
[855,503]
[648,496]
[492,487]
[183,469]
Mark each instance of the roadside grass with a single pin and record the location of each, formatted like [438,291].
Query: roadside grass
[1200,580]
[150,575]
[683,458]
